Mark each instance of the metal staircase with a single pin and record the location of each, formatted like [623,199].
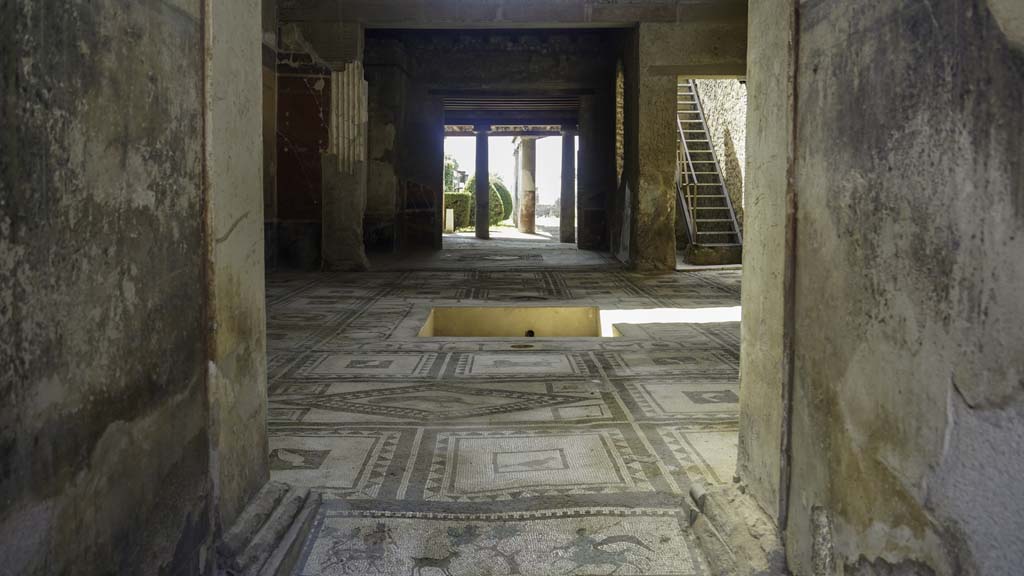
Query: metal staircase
[703,198]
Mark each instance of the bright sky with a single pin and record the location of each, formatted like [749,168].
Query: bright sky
[503,162]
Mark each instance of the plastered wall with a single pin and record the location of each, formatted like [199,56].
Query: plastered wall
[908,179]
[236,379]
[104,422]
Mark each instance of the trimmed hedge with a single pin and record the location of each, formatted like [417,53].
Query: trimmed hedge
[506,198]
[496,207]
[461,203]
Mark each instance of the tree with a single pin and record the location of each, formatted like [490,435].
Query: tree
[451,174]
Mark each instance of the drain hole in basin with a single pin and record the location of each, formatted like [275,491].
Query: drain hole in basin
[522,346]
[529,333]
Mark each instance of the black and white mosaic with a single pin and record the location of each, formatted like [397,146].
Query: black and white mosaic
[500,456]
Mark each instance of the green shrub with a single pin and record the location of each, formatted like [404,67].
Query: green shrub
[461,203]
[506,197]
[496,207]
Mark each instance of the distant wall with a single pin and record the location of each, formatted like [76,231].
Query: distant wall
[387,80]
[104,440]
[303,110]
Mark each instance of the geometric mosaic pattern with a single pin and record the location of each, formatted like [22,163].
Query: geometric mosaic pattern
[431,402]
[499,456]
[509,464]
[349,465]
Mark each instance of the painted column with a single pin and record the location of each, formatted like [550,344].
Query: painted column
[567,205]
[527,184]
[344,171]
[483,183]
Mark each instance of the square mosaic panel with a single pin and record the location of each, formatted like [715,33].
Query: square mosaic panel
[525,364]
[708,455]
[655,362]
[667,399]
[351,365]
[350,464]
[508,464]
[571,541]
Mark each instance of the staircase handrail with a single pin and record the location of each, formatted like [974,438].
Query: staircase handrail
[684,170]
[714,157]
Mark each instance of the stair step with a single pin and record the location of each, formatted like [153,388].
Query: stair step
[286,554]
[268,536]
[252,518]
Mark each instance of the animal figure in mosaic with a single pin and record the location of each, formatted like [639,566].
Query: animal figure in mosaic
[514,569]
[290,459]
[530,465]
[585,551]
[442,564]
[364,549]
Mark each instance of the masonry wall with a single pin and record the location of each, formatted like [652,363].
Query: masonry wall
[237,349]
[910,243]
[763,361]
[104,442]
[907,407]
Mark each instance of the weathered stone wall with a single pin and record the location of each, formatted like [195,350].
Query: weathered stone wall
[104,442]
[237,363]
[725,109]
[907,406]
[910,183]
[763,362]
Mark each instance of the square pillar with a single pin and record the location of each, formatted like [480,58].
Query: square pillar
[567,205]
[653,238]
[483,183]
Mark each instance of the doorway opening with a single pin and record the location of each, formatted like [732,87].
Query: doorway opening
[525,179]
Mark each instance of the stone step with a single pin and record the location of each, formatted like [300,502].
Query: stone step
[268,536]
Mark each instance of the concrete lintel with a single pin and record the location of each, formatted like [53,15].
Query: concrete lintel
[513,13]
[703,71]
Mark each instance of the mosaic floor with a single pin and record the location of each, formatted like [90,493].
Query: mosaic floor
[459,457]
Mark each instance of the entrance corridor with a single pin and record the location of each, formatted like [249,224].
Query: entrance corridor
[501,456]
